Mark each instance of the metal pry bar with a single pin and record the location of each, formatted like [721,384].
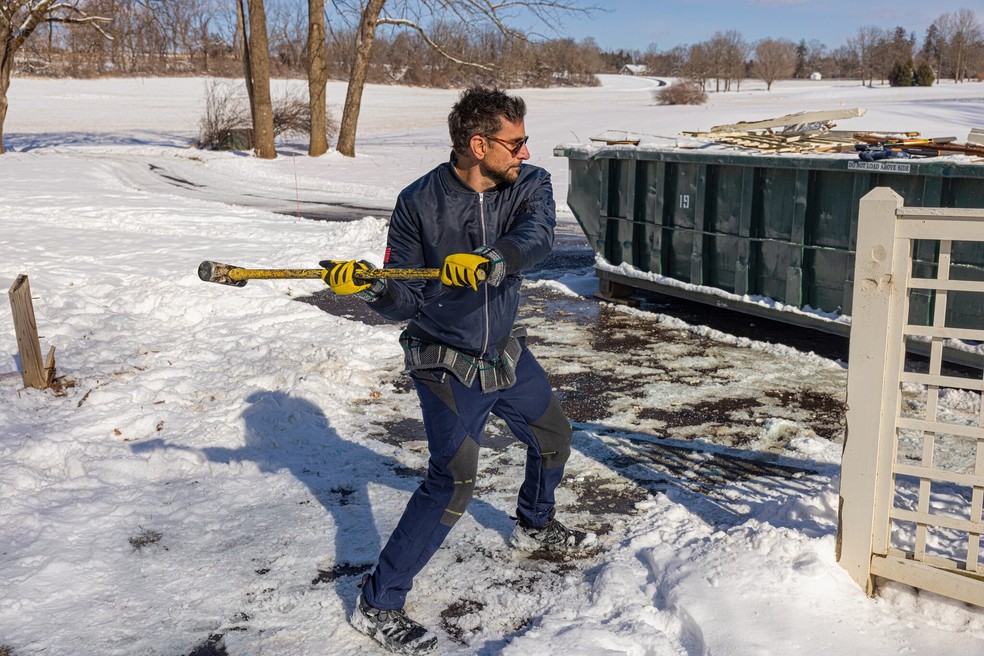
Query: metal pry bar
[230,274]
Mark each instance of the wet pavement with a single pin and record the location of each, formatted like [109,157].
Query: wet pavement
[626,371]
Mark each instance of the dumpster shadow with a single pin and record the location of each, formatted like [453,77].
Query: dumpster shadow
[283,432]
[722,485]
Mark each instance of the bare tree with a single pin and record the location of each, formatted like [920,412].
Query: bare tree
[728,51]
[256,63]
[287,23]
[317,57]
[176,21]
[162,35]
[364,38]
[18,21]
[775,59]
[669,62]
[716,53]
[203,14]
[952,41]
[699,65]
[816,58]
[890,49]
[864,46]
[844,62]
[417,16]
[964,42]
[127,46]
[737,58]
[143,25]
[566,63]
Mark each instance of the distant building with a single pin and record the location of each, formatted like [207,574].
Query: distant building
[815,75]
[633,69]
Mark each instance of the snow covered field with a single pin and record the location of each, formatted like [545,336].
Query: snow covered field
[222,464]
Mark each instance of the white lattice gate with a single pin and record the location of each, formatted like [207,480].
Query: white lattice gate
[912,477]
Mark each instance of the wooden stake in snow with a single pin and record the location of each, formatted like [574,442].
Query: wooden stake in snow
[35,374]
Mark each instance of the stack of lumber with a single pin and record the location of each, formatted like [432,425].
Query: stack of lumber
[792,133]
[813,132]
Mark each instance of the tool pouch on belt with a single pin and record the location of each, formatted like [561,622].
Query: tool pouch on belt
[495,374]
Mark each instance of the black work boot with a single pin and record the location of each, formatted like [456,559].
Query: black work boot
[553,536]
[393,629]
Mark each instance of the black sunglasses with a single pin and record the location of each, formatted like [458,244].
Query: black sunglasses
[512,146]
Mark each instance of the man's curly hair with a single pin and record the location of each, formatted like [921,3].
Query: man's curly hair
[480,110]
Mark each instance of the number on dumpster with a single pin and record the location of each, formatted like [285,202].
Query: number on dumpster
[685,201]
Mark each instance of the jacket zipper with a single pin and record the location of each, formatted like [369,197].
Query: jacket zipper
[485,288]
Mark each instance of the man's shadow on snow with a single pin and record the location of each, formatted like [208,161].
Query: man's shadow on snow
[283,432]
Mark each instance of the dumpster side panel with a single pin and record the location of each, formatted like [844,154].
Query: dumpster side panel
[962,192]
[721,253]
[681,181]
[584,198]
[725,185]
[826,275]
[829,209]
[723,257]
[780,227]
[773,203]
[773,258]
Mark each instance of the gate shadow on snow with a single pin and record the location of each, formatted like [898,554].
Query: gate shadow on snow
[722,485]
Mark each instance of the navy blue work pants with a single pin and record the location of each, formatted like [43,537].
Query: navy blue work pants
[454,419]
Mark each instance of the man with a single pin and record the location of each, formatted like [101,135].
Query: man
[482,218]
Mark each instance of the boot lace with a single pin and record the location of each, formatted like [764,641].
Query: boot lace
[555,533]
[396,625]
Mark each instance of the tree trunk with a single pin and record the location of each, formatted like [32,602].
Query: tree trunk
[6,64]
[243,32]
[317,78]
[239,40]
[357,82]
[204,35]
[8,48]
[259,63]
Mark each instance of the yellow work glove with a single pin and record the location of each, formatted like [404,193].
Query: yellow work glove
[341,276]
[464,270]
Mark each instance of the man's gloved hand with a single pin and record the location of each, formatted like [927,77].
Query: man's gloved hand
[341,276]
[464,270]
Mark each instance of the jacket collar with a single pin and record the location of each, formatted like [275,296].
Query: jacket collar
[455,182]
[452,177]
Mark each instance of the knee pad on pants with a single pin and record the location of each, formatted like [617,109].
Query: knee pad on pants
[463,467]
[553,434]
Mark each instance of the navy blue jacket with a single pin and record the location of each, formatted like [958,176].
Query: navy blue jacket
[438,215]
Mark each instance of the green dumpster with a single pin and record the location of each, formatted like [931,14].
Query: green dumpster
[737,229]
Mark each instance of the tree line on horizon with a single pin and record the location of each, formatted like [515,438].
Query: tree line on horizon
[952,47]
[437,43]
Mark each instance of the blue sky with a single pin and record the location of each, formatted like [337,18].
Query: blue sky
[634,24]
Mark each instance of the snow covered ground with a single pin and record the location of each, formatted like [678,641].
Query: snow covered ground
[220,465]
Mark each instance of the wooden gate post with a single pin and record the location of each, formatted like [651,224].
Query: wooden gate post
[35,374]
[876,357]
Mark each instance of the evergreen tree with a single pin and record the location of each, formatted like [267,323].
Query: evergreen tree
[801,50]
[902,75]
[924,76]
[933,48]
